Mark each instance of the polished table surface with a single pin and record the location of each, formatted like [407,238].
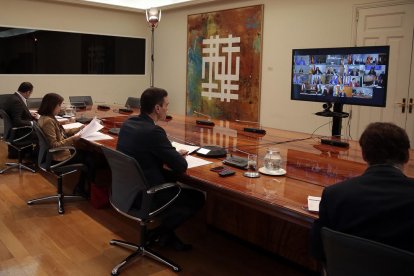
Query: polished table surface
[310,167]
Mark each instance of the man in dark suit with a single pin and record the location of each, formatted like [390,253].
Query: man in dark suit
[141,138]
[16,107]
[379,204]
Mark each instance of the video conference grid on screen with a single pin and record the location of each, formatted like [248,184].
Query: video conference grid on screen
[354,76]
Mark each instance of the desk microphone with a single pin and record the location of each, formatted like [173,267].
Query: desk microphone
[204,122]
[252,129]
[236,161]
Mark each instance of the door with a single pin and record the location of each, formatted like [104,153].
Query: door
[389,25]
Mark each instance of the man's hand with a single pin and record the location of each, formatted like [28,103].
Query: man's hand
[183,152]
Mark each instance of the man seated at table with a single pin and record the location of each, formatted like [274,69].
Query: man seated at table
[16,107]
[379,204]
[141,138]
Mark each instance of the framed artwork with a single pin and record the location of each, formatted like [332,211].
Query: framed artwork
[224,50]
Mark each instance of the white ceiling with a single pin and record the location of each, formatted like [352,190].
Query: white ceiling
[138,5]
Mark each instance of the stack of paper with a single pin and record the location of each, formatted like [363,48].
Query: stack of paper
[91,131]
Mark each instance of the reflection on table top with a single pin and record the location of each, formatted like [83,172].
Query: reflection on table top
[310,165]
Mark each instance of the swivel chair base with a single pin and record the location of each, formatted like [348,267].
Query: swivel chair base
[139,250]
[59,197]
[17,165]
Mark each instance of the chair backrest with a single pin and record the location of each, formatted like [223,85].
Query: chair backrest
[34,103]
[3,100]
[133,102]
[44,158]
[350,255]
[128,182]
[7,125]
[78,99]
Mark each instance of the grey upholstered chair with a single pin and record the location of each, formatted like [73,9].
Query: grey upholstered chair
[350,255]
[133,102]
[128,182]
[34,103]
[60,169]
[77,101]
[19,138]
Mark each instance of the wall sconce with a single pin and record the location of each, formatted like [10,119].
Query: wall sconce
[153,18]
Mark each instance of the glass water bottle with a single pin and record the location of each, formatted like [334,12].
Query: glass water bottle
[272,160]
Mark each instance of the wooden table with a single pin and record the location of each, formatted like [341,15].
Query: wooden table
[269,211]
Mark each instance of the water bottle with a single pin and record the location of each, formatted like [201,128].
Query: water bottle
[272,160]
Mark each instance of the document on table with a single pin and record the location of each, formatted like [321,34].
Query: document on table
[313,203]
[91,131]
[195,161]
[179,146]
[72,125]
[61,119]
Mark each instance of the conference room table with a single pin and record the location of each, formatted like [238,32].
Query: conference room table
[269,211]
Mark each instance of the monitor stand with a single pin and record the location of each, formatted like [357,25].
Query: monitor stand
[337,114]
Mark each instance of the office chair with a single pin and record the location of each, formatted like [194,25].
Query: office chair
[34,103]
[59,169]
[128,182]
[351,255]
[19,138]
[133,102]
[3,100]
[76,100]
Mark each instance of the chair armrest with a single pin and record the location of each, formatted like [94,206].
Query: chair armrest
[72,154]
[155,189]
[14,129]
[164,186]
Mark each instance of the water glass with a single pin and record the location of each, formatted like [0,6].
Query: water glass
[252,166]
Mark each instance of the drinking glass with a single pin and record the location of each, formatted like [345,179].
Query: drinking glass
[252,166]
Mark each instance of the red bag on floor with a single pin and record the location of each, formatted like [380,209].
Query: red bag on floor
[99,196]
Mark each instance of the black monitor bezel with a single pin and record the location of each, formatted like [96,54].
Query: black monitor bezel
[341,51]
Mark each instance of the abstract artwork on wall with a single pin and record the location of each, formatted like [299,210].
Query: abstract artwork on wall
[224,50]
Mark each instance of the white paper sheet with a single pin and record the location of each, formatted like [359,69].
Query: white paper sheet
[91,128]
[196,162]
[179,146]
[72,125]
[313,203]
[96,136]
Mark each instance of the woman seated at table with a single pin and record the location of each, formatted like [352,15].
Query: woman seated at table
[57,136]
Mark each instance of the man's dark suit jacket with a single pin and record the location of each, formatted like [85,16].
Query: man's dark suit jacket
[148,143]
[378,205]
[18,111]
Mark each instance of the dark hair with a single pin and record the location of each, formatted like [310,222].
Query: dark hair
[151,97]
[25,87]
[385,143]
[49,103]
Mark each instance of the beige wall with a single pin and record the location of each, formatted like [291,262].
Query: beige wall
[66,17]
[287,25]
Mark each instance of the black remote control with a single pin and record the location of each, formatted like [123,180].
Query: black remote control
[254,130]
[204,123]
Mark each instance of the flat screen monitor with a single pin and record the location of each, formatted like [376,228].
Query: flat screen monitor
[348,75]
[338,76]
